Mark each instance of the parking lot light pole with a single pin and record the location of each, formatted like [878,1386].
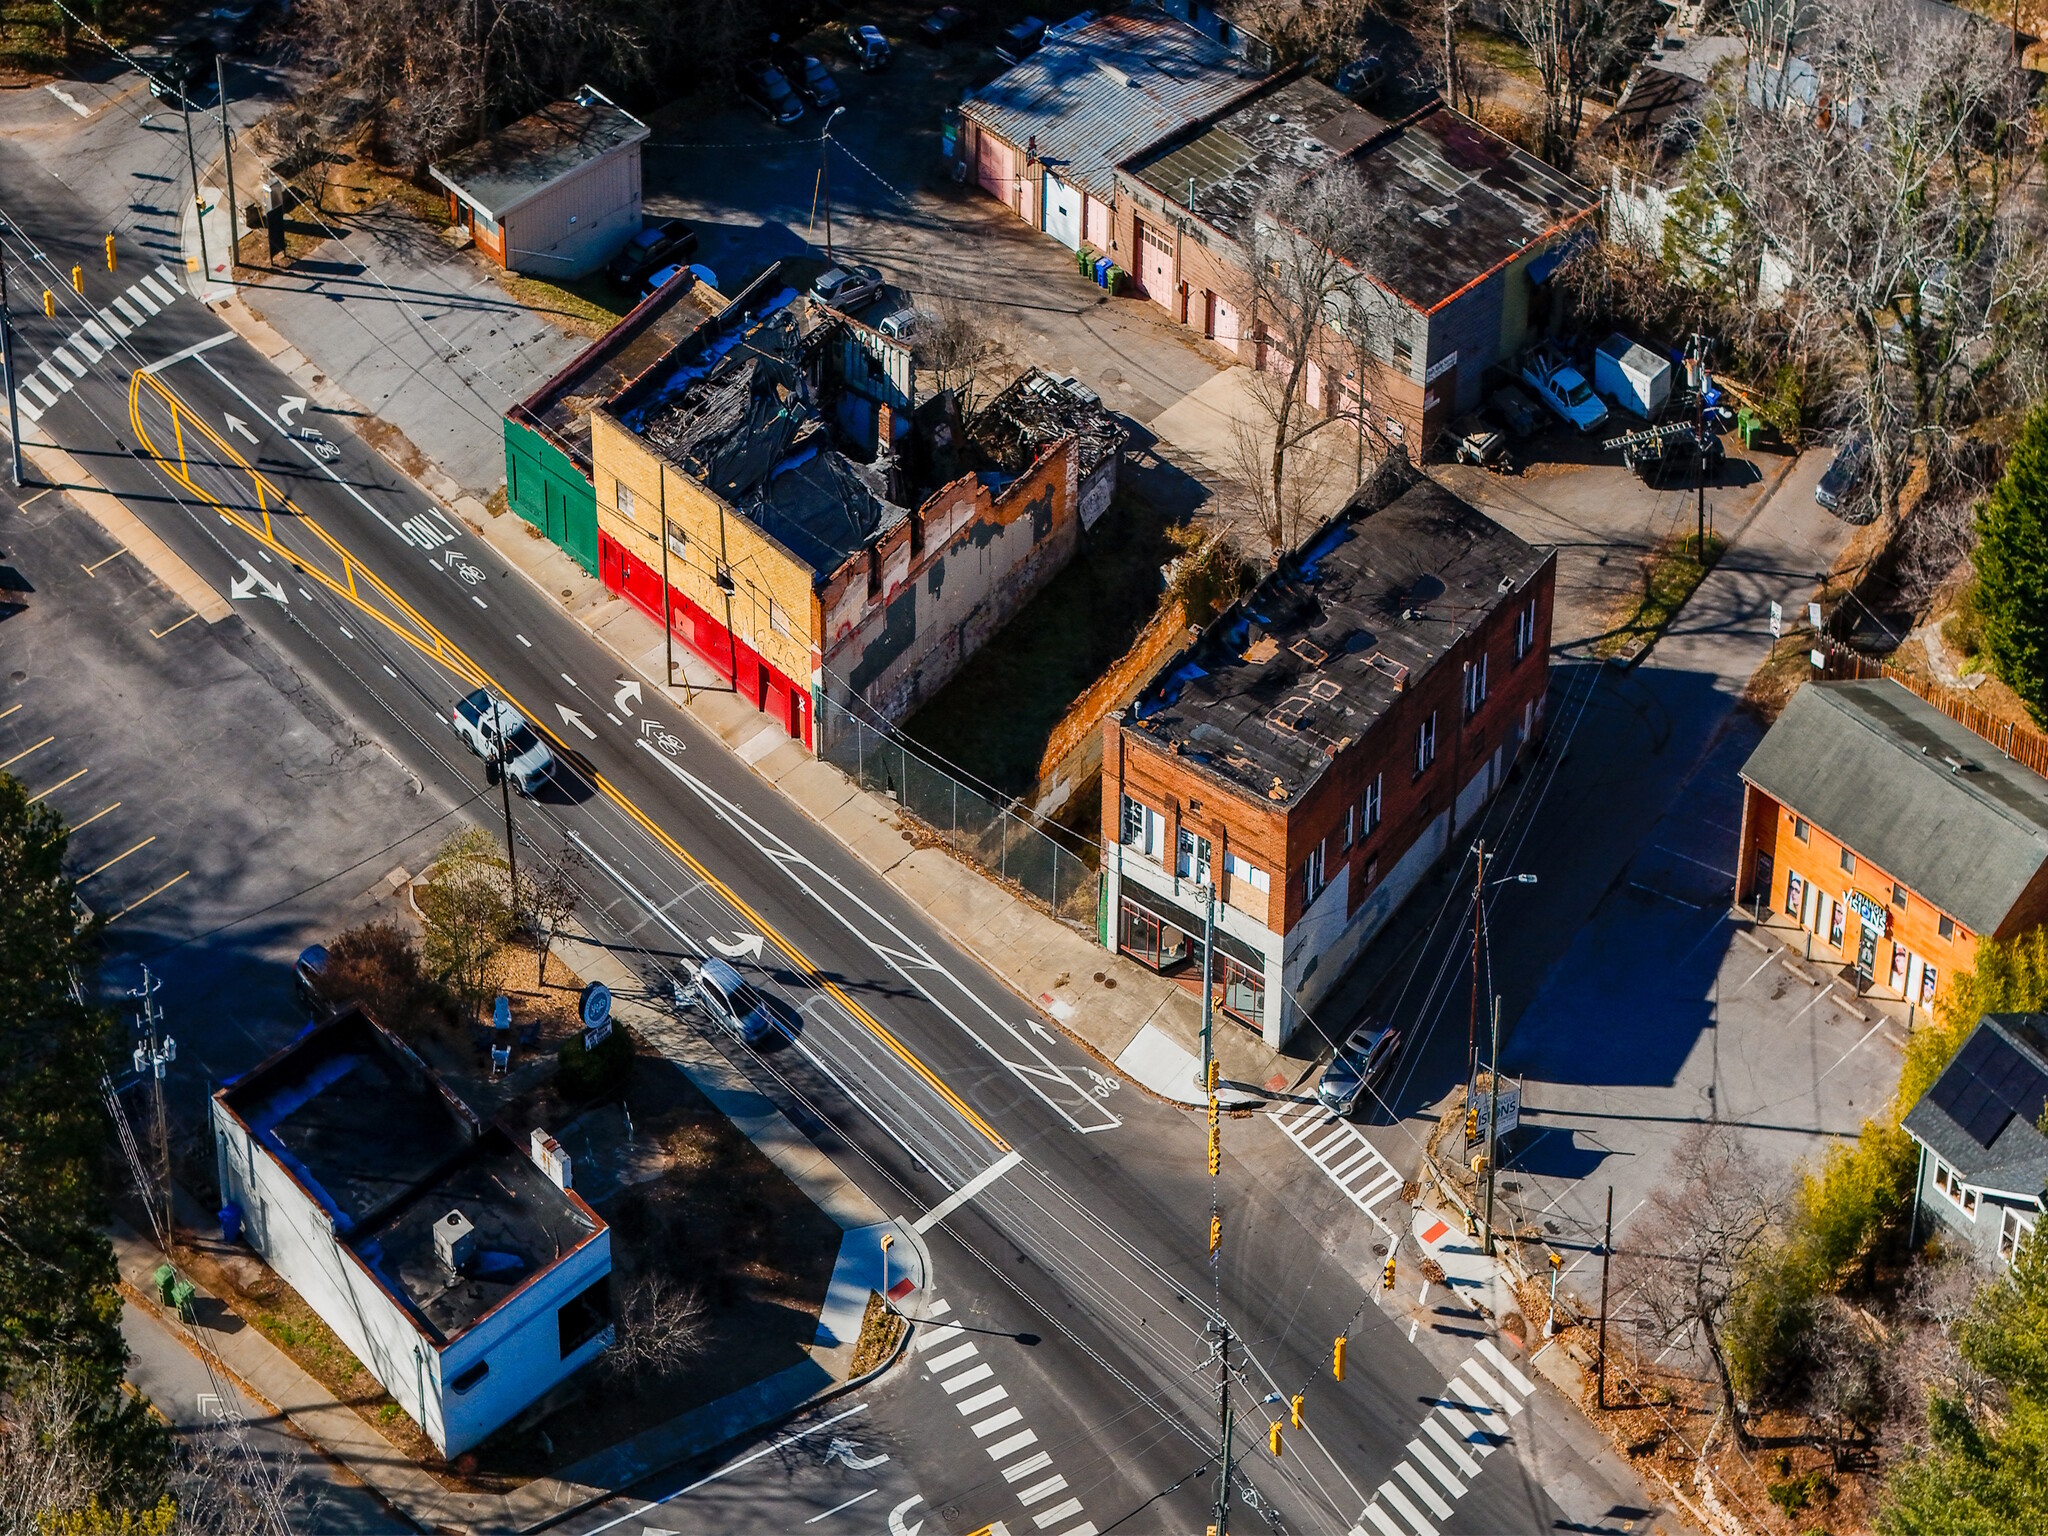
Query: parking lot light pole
[825,176]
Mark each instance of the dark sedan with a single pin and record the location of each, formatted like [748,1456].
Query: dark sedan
[656,245]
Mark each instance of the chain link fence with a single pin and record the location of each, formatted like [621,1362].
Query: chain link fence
[1059,870]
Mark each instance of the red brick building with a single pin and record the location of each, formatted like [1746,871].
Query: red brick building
[1315,752]
[1892,835]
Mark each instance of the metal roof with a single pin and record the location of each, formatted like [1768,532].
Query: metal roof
[1109,90]
[1981,1115]
[523,159]
[1921,796]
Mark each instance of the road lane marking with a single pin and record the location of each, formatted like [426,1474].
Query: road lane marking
[966,1192]
[117,858]
[192,351]
[150,897]
[94,568]
[32,799]
[847,1505]
[522,640]
[24,752]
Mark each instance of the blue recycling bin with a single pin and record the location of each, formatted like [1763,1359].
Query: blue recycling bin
[1102,265]
[231,1223]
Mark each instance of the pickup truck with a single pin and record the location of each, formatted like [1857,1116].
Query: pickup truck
[499,734]
[1562,387]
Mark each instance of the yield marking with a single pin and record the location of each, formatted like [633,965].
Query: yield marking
[69,100]
[236,424]
[967,1191]
[570,717]
[255,582]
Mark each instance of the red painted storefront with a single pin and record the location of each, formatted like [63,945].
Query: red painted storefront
[776,695]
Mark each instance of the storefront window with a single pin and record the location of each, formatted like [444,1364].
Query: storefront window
[1147,938]
[1244,991]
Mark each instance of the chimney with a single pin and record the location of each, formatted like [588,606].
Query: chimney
[455,1241]
[550,1157]
[885,430]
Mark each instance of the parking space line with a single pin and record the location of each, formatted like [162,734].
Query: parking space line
[95,816]
[24,752]
[32,799]
[150,897]
[10,709]
[158,634]
[94,568]
[117,858]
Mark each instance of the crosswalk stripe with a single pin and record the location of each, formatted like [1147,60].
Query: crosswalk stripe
[30,383]
[938,1365]
[1506,1367]
[1380,1518]
[163,297]
[1044,1490]
[1374,1184]
[1342,1170]
[1002,1420]
[1037,1461]
[1474,1435]
[1014,1444]
[1066,1509]
[1394,1496]
[968,1378]
[127,312]
[981,1400]
[29,409]
[1085,1528]
[1437,1469]
[171,276]
[938,1308]
[99,333]
[77,368]
[1423,1491]
[1492,1388]
[944,1335]
[106,318]
[1451,1448]
[76,342]
[57,380]
[143,300]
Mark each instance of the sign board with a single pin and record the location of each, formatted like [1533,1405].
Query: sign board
[1777,621]
[594,1007]
[1440,367]
[1819,661]
[1813,615]
[1510,1111]
[1874,914]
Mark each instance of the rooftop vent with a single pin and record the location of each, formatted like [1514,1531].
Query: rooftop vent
[1275,117]
[1113,72]
[455,1241]
[1958,764]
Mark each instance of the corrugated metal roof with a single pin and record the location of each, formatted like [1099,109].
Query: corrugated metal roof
[1921,796]
[1103,93]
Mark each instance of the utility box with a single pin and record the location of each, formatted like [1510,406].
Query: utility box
[1632,376]
[455,1241]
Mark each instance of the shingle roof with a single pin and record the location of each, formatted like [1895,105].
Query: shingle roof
[1921,796]
[1102,93]
[1981,1115]
[523,159]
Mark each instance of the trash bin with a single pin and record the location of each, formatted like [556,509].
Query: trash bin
[1750,426]
[1113,279]
[231,1223]
[1084,259]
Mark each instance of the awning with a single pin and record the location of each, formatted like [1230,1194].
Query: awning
[1544,267]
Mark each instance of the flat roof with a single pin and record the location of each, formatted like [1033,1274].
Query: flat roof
[379,1142]
[1312,657]
[1462,200]
[1920,795]
[523,159]
[640,341]
[1105,91]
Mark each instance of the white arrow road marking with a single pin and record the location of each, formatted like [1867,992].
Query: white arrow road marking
[849,1452]
[570,717]
[896,1525]
[747,944]
[628,689]
[256,582]
[236,424]
[286,411]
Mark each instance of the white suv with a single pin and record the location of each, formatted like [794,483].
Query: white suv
[499,734]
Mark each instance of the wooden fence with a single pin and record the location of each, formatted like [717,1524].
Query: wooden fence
[2018,742]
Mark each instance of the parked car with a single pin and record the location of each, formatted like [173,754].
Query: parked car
[808,77]
[656,244]
[187,77]
[499,734]
[309,981]
[847,288]
[1516,411]
[942,23]
[867,45]
[1020,41]
[763,84]
[904,324]
[1560,385]
[1358,1067]
[729,999]
[1845,472]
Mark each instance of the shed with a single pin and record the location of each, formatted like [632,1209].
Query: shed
[1632,376]
[555,194]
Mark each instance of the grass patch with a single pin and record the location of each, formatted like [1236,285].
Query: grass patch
[1671,572]
[589,306]
[881,1327]
[1501,52]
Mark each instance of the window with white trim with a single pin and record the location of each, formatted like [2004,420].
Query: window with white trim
[2014,1228]
[1312,881]
[1238,867]
[1951,1184]
[1347,830]
[1369,807]
[625,501]
[1525,630]
[1475,685]
[1425,743]
[1191,857]
[1142,829]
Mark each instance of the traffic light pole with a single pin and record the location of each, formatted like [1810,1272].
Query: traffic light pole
[7,362]
[1492,1124]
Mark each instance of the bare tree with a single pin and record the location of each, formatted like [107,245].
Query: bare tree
[467,914]
[1457,78]
[661,1328]
[551,895]
[1571,43]
[1713,1212]
[965,352]
[1844,1373]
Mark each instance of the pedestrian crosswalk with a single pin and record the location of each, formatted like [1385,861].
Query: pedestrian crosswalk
[1465,1426]
[42,387]
[1341,1150]
[955,1363]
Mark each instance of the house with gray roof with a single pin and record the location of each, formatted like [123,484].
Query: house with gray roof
[1983,1158]
[1891,836]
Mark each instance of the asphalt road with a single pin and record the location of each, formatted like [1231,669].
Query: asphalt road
[915,1070]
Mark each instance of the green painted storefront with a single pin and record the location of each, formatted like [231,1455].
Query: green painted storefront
[544,486]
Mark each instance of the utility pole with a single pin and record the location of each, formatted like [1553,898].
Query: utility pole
[825,176]
[154,1053]
[198,202]
[1222,1507]
[1700,345]
[1606,1248]
[505,790]
[227,151]
[1492,1124]
[1472,1019]
[7,362]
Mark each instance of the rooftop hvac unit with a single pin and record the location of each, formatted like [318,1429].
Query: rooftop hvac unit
[455,1241]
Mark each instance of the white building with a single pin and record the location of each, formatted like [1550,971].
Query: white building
[466,1278]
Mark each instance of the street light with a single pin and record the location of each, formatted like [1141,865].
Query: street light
[825,176]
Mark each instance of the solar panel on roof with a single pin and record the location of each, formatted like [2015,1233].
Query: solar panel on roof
[1987,1085]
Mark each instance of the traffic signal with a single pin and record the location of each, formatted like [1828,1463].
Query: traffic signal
[1557,1261]
[110,253]
[1479,1165]
[49,304]
[78,279]
[1472,1123]
[1215,1150]
[1294,1410]
[1387,1275]
[1273,1438]
[1215,1109]
[1337,1359]
[1215,1075]
[1215,1233]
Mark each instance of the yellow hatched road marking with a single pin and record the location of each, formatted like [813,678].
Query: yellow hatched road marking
[424,637]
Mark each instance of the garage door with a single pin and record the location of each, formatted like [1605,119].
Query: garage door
[1226,323]
[1155,252]
[992,168]
[1062,211]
